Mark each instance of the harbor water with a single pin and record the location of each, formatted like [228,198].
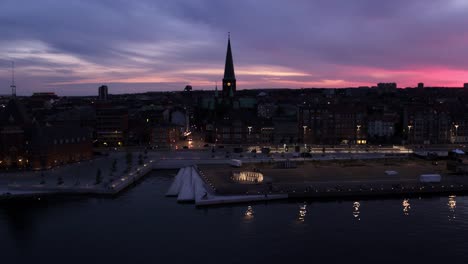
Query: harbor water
[141,225]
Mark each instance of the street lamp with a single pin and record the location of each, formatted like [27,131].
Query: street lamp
[358,128]
[409,132]
[250,129]
[456,132]
[305,131]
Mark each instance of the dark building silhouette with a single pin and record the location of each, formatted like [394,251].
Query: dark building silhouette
[25,143]
[57,145]
[111,125]
[387,87]
[15,127]
[103,93]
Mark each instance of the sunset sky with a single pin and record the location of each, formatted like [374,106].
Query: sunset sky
[72,47]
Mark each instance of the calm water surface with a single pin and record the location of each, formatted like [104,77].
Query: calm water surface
[143,226]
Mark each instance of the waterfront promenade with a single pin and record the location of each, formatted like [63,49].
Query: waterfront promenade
[116,174]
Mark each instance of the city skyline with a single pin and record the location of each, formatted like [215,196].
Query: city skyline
[73,48]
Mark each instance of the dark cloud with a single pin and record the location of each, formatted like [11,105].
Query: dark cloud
[83,43]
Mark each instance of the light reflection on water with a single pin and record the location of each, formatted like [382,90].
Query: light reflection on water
[356,210]
[249,213]
[406,207]
[452,205]
[302,212]
[143,226]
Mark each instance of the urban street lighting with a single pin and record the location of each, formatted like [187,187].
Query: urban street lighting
[358,128]
[305,131]
[409,131]
[456,132]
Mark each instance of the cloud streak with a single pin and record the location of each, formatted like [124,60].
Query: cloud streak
[73,46]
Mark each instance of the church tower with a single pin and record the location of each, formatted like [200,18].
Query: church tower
[229,80]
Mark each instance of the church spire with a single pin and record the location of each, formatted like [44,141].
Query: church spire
[229,80]
[229,66]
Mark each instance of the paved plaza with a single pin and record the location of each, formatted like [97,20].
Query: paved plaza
[327,174]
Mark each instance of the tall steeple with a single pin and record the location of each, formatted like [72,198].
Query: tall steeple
[229,80]
[13,86]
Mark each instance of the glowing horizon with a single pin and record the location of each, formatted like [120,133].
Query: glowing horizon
[323,45]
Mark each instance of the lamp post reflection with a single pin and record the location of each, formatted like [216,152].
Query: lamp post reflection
[302,212]
[356,212]
[452,204]
[406,207]
[249,214]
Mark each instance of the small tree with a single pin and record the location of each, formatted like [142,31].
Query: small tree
[98,176]
[113,167]
[42,179]
[188,88]
[140,159]
[77,182]
[129,158]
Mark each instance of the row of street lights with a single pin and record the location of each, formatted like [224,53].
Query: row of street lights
[358,129]
[456,132]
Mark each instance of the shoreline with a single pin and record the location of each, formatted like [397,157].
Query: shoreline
[290,191]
